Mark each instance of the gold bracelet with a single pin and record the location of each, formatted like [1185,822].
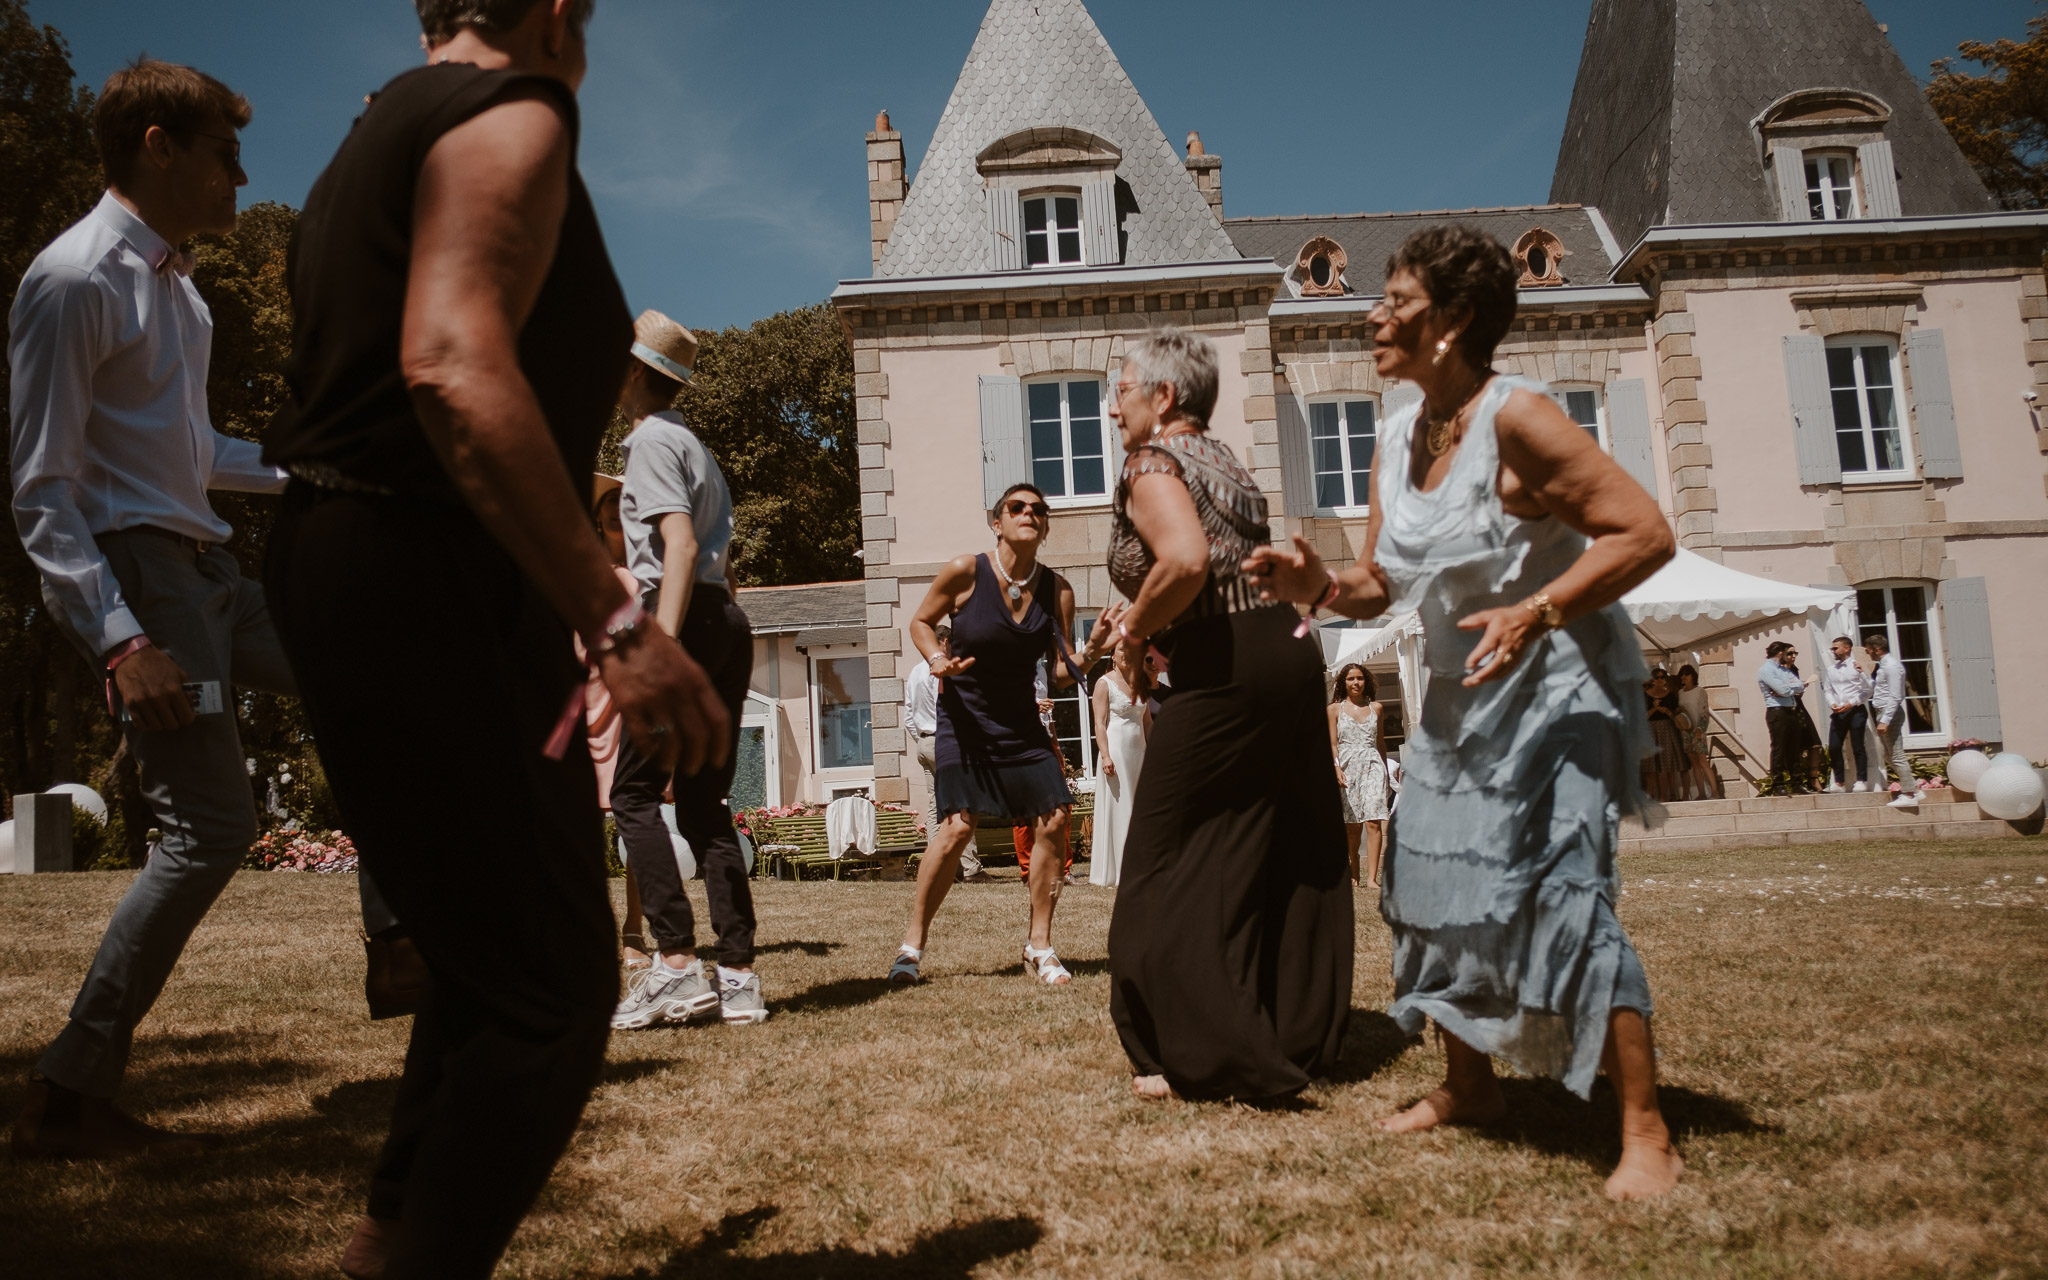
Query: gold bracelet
[1545,612]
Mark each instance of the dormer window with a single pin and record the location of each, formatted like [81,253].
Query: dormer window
[1830,186]
[1319,268]
[1541,256]
[1827,156]
[1052,230]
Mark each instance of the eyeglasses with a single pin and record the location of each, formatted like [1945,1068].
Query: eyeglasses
[1017,507]
[234,156]
[1125,388]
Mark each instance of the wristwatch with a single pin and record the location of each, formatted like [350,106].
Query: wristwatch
[1546,613]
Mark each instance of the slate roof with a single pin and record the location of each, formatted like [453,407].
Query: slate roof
[775,610]
[1041,63]
[1658,132]
[1370,238]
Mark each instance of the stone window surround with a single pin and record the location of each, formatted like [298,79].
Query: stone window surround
[1822,119]
[1335,260]
[1112,349]
[1902,407]
[1553,249]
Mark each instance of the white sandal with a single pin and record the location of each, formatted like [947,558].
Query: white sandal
[905,971]
[1045,966]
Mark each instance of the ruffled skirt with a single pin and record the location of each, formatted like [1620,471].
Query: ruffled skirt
[1017,792]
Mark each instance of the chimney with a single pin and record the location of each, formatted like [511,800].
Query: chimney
[886,187]
[1207,171]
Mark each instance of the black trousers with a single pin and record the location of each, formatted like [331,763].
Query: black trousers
[433,673]
[1850,724]
[716,633]
[1788,745]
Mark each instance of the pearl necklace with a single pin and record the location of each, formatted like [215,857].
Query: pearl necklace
[1016,589]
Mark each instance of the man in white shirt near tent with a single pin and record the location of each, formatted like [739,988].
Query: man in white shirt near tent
[1888,717]
[921,716]
[1847,690]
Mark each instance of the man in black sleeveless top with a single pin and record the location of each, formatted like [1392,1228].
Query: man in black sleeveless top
[460,339]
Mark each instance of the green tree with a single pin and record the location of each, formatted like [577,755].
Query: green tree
[774,404]
[2000,118]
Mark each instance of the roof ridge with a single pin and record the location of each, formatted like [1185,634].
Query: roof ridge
[1402,213]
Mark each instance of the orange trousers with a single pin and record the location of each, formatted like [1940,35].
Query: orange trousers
[1020,836]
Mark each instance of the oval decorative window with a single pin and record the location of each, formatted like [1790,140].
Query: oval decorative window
[1319,268]
[1541,256]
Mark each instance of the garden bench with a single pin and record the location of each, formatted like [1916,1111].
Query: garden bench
[797,843]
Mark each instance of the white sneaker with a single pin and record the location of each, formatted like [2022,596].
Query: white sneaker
[1910,800]
[1834,788]
[740,997]
[659,994]
[1861,786]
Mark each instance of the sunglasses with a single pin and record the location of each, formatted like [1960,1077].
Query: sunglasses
[233,158]
[1017,507]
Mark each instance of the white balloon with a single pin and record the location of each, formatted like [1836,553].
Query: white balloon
[2010,791]
[84,799]
[2012,756]
[686,861]
[1966,767]
[7,844]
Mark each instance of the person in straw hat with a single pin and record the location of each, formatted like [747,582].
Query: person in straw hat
[677,514]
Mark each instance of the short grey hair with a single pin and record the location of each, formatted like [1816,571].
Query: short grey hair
[1185,361]
[443,20]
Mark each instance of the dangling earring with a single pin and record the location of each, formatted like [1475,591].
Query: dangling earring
[1443,348]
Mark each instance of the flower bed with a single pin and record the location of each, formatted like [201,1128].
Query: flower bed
[331,854]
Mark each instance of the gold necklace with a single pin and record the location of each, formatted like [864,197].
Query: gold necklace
[1439,438]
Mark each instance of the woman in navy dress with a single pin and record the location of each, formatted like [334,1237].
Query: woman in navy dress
[1007,612]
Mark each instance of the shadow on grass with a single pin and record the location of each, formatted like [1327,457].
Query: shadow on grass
[949,1253]
[806,946]
[845,993]
[1545,1115]
[1372,1042]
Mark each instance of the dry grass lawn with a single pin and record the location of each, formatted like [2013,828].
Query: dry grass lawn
[1852,1044]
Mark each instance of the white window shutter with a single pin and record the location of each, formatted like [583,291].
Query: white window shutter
[1005,229]
[1004,461]
[1813,410]
[1098,223]
[1628,430]
[1972,678]
[1934,410]
[1790,164]
[1880,179]
[1297,477]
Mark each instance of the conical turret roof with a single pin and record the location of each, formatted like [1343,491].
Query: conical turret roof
[1659,130]
[1044,64]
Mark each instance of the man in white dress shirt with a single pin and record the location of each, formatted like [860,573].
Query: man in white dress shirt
[1888,717]
[112,455]
[921,717]
[1847,690]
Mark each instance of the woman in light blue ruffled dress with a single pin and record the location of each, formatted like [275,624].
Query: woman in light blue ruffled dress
[1496,516]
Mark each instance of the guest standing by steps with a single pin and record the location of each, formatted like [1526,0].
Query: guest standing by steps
[1847,691]
[1358,739]
[1888,714]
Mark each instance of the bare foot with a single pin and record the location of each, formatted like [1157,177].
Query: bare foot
[1445,1107]
[1151,1088]
[1647,1170]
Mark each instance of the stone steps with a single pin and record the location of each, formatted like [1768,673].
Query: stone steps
[1701,826]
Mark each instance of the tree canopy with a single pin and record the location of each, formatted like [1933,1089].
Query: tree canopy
[2000,117]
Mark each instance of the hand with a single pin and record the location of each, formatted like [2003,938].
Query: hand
[1104,637]
[1045,706]
[1295,575]
[1342,781]
[668,703]
[1507,632]
[948,665]
[1108,766]
[152,688]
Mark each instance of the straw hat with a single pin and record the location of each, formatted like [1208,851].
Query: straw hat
[663,345]
[602,484]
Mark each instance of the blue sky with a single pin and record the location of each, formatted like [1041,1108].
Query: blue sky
[723,141]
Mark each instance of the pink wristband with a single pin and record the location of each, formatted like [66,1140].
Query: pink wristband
[129,649]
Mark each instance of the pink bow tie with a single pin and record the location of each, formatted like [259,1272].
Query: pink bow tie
[173,260]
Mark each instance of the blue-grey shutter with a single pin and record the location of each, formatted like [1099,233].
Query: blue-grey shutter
[1880,179]
[1789,163]
[1628,430]
[1003,459]
[1972,679]
[1005,229]
[1098,222]
[1813,411]
[1297,477]
[1934,410]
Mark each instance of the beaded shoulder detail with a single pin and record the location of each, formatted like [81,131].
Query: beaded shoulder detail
[1227,500]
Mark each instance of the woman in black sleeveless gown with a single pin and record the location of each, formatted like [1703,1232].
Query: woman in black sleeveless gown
[1230,951]
[1007,612]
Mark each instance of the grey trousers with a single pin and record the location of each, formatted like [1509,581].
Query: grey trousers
[970,863]
[213,623]
[1892,753]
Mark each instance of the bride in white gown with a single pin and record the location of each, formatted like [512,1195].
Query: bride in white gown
[1123,720]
